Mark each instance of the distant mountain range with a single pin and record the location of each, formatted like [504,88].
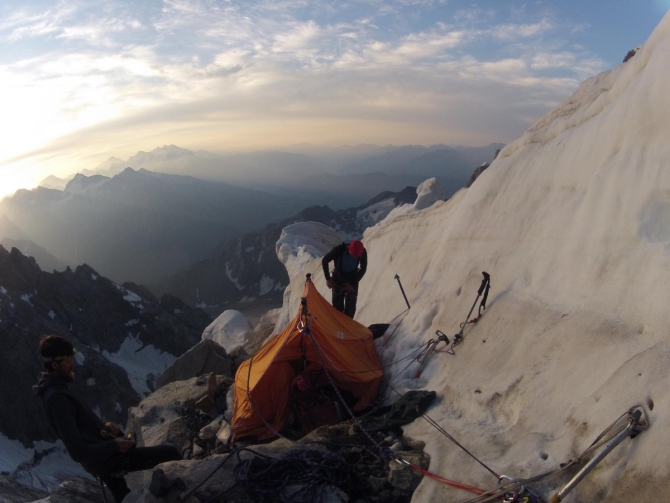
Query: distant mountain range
[138,225]
[45,260]
[148,222]
[340,177]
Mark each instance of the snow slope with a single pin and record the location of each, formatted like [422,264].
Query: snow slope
[572,221]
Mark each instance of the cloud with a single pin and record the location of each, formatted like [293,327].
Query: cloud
[234,73]
[508,32]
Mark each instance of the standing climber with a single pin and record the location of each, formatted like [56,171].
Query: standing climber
[351,262]
[99,446]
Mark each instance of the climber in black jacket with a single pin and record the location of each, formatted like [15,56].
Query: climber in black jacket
[350,263]
[99,446]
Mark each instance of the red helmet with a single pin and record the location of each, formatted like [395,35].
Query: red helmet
[356,248]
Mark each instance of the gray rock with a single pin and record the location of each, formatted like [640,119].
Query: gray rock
[78,490]
[401,477]
[205,357]
[417,445]
[158,419]
[194,471]
[477,172]
[238,356]
[12,491]
[262,331]
[377,484]
[629,55]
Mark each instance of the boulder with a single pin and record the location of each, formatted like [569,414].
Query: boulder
[175,475]
[206,357]
[262,331]
[160,417]
[401,477]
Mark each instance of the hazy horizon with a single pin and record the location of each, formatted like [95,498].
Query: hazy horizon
[87,81]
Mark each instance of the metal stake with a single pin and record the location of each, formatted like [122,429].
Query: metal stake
[402,290]
[630,429]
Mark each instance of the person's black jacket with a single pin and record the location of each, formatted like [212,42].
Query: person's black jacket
[76,425]
[347,269]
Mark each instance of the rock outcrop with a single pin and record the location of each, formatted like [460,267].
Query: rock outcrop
[12,491]
[206,357]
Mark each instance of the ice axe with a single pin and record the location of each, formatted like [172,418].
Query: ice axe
[483,289]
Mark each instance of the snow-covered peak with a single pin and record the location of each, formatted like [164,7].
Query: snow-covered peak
[159,154]
[110,167]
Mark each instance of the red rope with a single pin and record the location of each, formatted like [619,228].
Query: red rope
[421,471]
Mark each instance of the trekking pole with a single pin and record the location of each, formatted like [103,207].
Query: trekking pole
[483,288]
[632,429]
[402,290]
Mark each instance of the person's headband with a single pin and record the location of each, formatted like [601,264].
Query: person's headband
[57,359]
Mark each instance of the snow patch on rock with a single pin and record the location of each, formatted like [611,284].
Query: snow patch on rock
[266,285]
[139,361]
[12,454]
[234,281]
[373,214]
[46,466]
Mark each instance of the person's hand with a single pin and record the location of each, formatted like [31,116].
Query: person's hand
[348,288]
[330,283]
[124,444]
[113,428]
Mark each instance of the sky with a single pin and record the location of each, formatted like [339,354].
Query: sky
[85,80]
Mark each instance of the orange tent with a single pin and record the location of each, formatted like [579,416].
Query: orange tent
[319,336]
